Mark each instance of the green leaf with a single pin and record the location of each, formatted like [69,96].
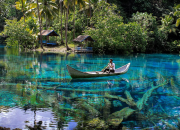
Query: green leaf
[178,6]
[177,22]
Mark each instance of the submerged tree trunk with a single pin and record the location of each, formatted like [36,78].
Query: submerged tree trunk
[67,27]
[39,24]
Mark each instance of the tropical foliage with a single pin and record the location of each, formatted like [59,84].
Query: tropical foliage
[19,34]
[116,26]
[122,38]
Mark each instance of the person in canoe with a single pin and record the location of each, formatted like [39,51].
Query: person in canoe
[110,67]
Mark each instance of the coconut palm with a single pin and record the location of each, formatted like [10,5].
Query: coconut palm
[61,9]
[44,8]
[47,9]
[67,4]
[39,23]
[89,5]
[67,13]
[81,4]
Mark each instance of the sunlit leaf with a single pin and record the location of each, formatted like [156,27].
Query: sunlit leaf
[177,22]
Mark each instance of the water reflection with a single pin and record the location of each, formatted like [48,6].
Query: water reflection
[37,88]
[27,119]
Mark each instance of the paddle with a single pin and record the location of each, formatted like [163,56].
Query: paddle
[105,67]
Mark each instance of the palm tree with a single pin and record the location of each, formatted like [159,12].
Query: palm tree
[61,10]
[39,23]
[81,4]
[48,9]
[90,12]
[89,5]
[43,8]
[66,3]
[74,1]
[60,5]
[22,5]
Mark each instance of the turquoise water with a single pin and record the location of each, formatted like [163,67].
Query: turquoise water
[37,91]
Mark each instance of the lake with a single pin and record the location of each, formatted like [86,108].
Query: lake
[36,91]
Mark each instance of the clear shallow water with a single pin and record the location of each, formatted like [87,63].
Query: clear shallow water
[37,89]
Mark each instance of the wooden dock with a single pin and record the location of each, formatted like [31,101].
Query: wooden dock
[83,50]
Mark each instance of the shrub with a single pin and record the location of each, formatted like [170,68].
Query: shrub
[19,34]
[112,35]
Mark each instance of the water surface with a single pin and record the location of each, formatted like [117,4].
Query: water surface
[37,90]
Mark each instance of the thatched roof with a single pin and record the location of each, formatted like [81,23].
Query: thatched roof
[82,38]
[48,33]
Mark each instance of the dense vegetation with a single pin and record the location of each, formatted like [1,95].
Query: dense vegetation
[116,26]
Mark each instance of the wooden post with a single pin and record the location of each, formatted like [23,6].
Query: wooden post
[38,39]
[48,38]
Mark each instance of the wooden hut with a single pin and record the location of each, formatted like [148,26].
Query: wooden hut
[47,34]
[80,39]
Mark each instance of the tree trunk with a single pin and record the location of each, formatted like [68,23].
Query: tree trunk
[39,24]
[90,12]
[74,22]
[67,27]
[23,10]
[46,21]
[62,42]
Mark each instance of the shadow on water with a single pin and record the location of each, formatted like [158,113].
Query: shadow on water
[100,79]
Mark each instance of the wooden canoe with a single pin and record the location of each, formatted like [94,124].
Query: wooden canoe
[78,74]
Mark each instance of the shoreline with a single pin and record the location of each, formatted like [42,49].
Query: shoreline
[54,49]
